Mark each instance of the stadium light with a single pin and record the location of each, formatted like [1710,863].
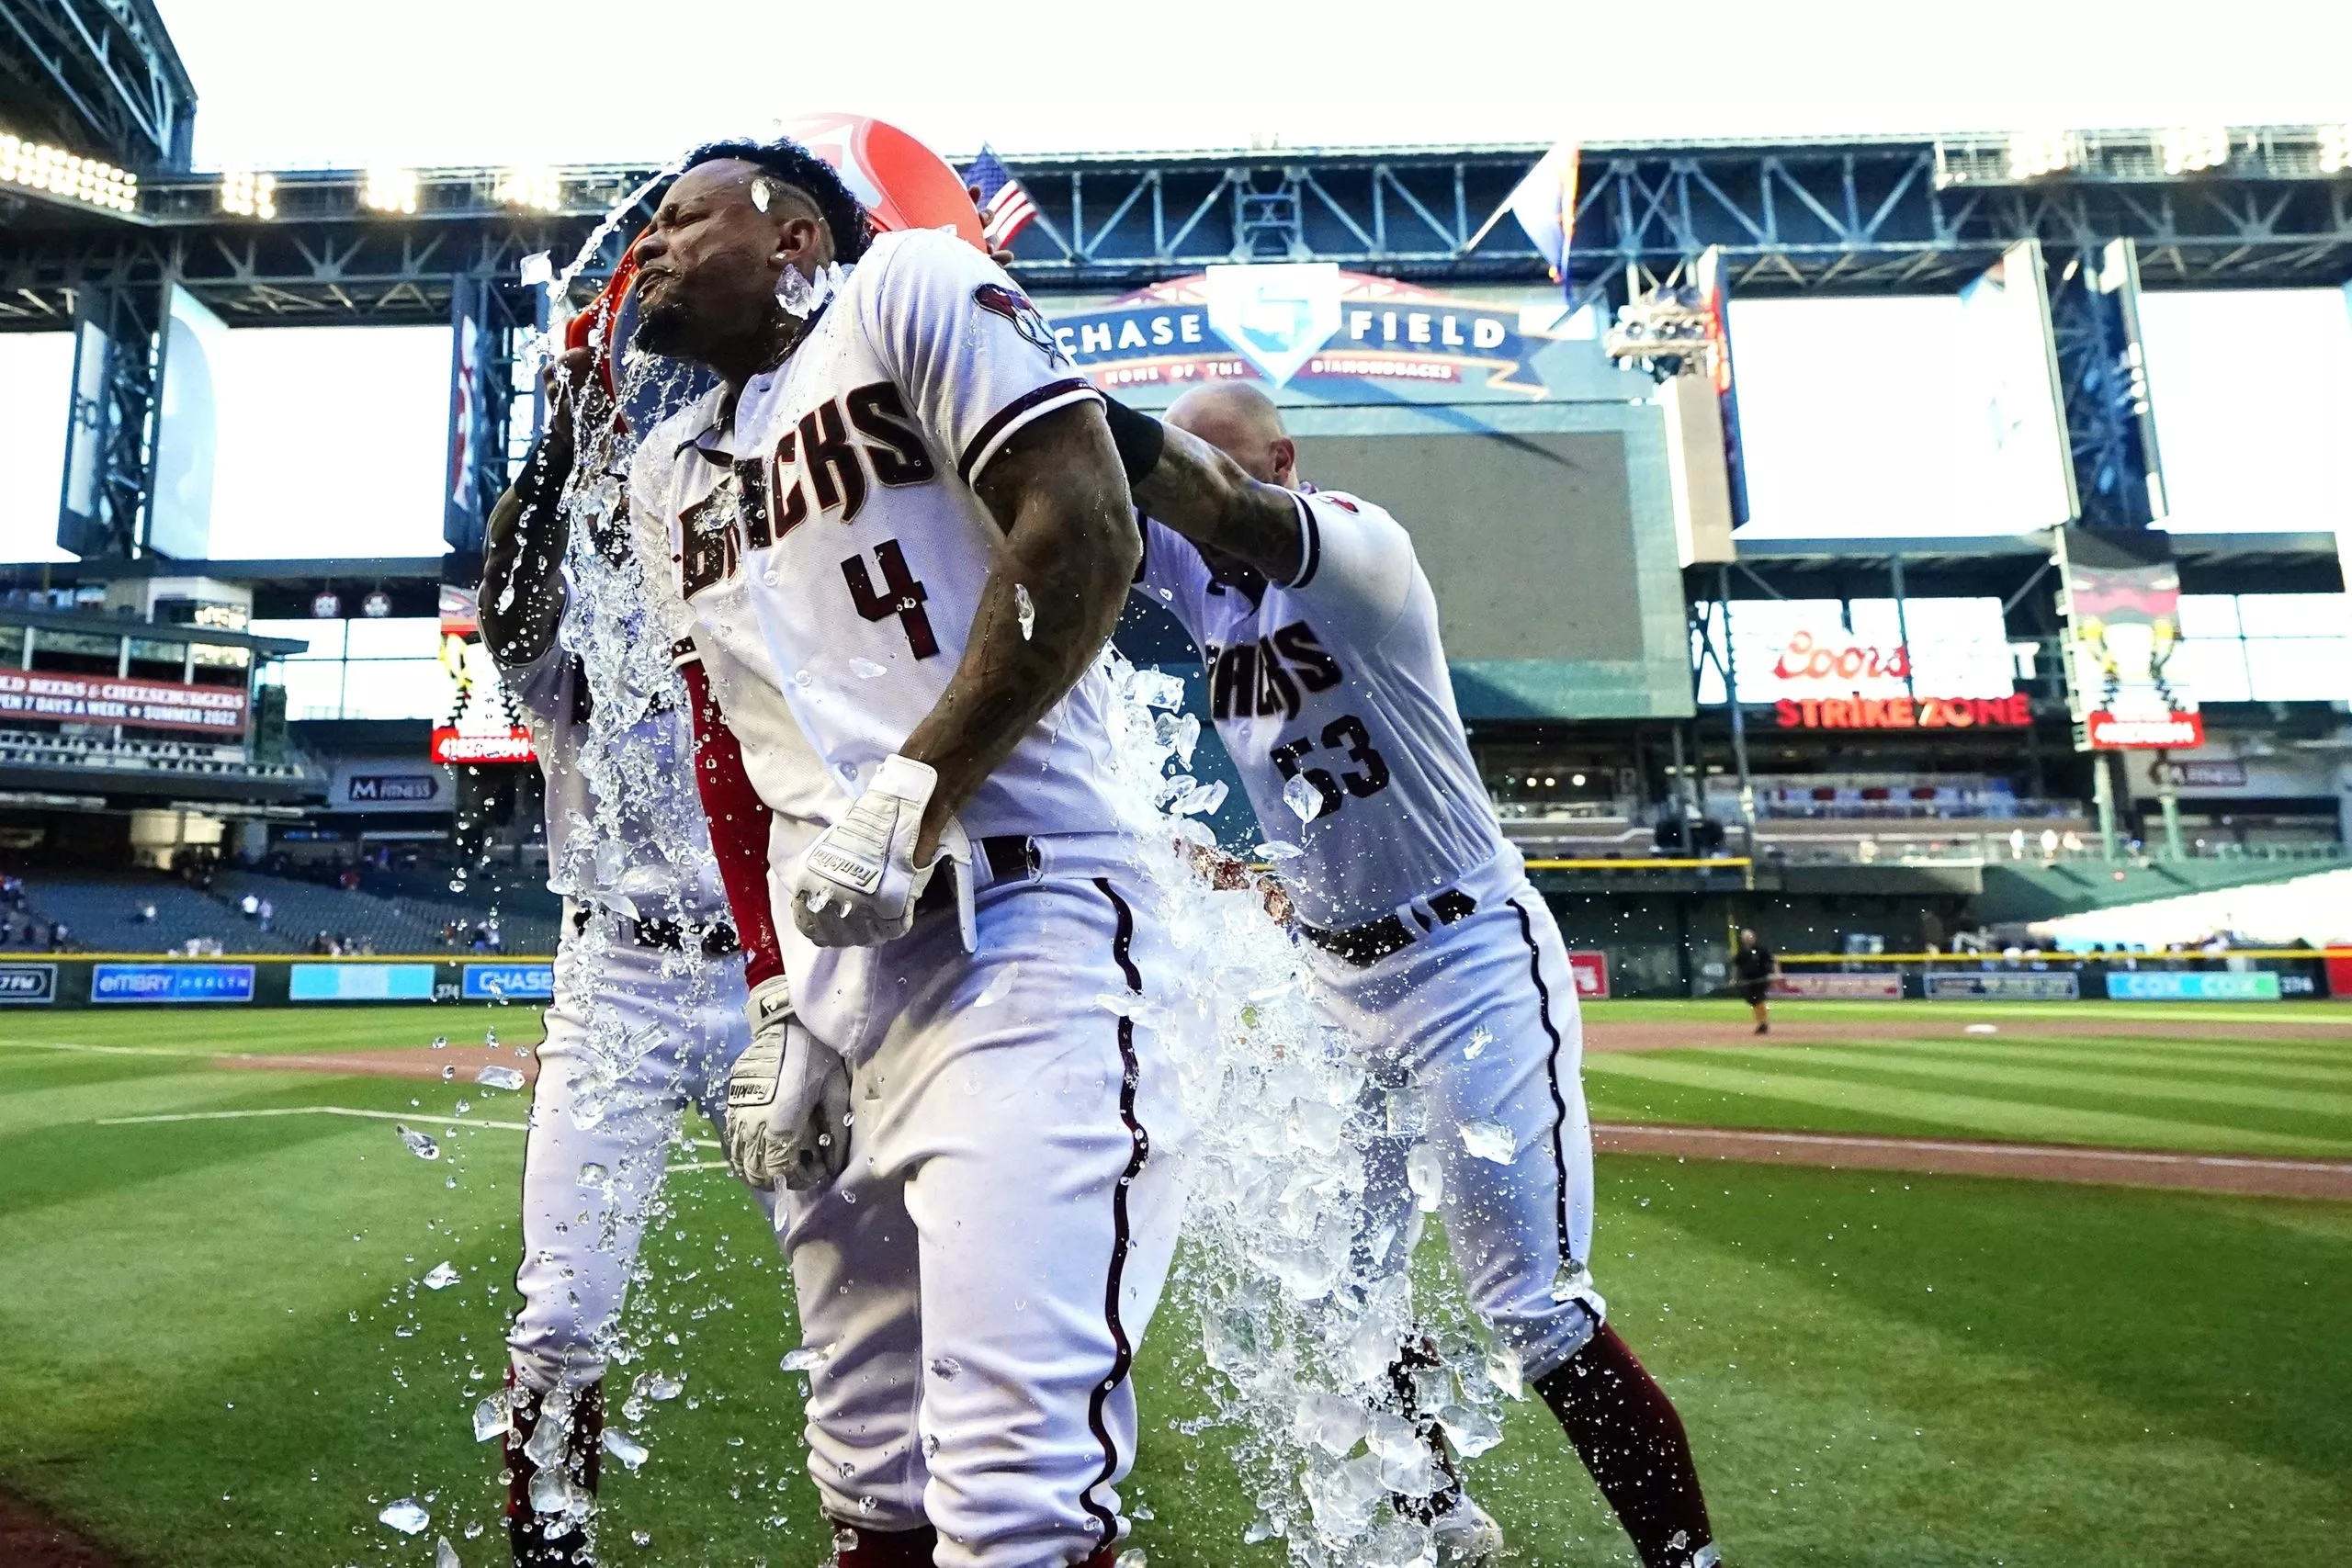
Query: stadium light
[2033,154]
[35,166]
[389,190]
[2194,149]
[249,195]
[2334,149]
[538,190]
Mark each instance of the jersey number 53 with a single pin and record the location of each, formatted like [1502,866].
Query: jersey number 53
[1346,735]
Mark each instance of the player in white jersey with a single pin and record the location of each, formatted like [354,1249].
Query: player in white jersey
[1328,682]
[902,534]
[648,1014]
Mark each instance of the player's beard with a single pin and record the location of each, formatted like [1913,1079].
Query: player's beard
[665,326]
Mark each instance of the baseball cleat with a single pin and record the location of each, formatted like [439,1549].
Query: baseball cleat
[1467,1534]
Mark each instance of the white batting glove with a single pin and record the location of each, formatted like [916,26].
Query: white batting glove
[787,1100]
[857,885]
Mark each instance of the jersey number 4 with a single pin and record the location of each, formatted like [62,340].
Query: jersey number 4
[901,595]
[1369,777]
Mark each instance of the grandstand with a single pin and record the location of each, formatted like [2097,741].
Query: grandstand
[1636,719]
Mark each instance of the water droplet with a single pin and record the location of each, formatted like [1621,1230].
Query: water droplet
[946,1368]
[442,1277]
[1025,610]
[1275,849]
[997,987]
[806,1358]
[499,1078]
[802,679]
[866,669]
[440,1043]
[595,1175]
[1481,1038]
[448,1072]
[418,1144]
[660,1385]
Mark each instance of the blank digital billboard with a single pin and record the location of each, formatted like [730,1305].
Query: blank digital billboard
[1551,550]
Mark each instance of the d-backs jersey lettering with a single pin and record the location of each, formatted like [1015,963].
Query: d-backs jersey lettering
[824,533]
[1333,688]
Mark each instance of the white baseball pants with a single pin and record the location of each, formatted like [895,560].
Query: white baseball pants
[600,1136]
[1481,1018]
[982,1272]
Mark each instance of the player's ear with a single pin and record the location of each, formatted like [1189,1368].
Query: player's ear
[1284,452]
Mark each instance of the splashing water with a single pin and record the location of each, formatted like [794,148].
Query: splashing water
[1026,609]
[418,1144]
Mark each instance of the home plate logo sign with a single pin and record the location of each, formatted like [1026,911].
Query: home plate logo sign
[1276,316]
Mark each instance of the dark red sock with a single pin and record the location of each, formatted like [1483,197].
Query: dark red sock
[1626,1431]
[738,826]
[887,1549]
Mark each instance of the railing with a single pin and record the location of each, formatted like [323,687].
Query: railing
[37,750]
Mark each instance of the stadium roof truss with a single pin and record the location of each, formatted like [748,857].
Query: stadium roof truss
[1852,216]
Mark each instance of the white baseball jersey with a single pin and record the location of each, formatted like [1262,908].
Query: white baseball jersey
[824,532]
[626,868]
[1332,689]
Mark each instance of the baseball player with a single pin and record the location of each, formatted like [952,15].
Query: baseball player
[902,533]
[648,1014]
[1328,682]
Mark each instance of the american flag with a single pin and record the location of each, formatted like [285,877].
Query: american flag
[1005,207]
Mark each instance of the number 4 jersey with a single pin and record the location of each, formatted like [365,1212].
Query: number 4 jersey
[826,540]
[1331,694]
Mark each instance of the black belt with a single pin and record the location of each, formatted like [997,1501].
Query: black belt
[1376,940]
[1011,857]
[671,936]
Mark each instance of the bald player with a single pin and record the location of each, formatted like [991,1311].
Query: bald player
[1328,682]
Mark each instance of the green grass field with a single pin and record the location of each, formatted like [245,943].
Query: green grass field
[213,1352]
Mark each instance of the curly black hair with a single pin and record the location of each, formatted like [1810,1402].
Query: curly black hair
[804,171]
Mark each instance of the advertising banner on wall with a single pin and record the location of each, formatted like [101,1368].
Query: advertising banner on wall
[2121,595]
[172,983]
[1838,987]
[1321,334]
[1591,972]
[105,699]
[2191,986]
[359,983]
[2003,988]
[24,985]
[509,982]
[484,725]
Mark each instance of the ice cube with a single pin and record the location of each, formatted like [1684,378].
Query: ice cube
[442,1277]
[1275,849]
[418,1144]
[1304,799]
[662,1385]
[1425,1174]
[806,1358]
[1505,1371]
[866,669]
[1200,799]
[1331,1422]
[445,1555]
[1481,1038]
[1574,1281]
[1984,1029]
[492,1417]
[1127,1004]
[624,1448]
[1489,1141]
[946,1368]
[595,1175]
[1185,737]
[1157,688]
[407,1516]
[1406,1466]
[1026,609]
[551,1492]
[536,270]
[1472,1431]
[1131,1558]
[997,987]
[499,1078]
[1342,1496]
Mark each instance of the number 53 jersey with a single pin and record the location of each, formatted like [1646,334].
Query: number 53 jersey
[1331,694]
[824,538]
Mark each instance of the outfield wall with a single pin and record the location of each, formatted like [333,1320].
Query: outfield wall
[2269,974]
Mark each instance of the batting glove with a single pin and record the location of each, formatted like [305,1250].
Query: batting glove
[857,885]
[787,1100]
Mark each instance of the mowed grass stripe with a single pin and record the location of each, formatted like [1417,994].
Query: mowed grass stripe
[1980,1115]
[2297,1014]
[2146,1087]
[2125,1058]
